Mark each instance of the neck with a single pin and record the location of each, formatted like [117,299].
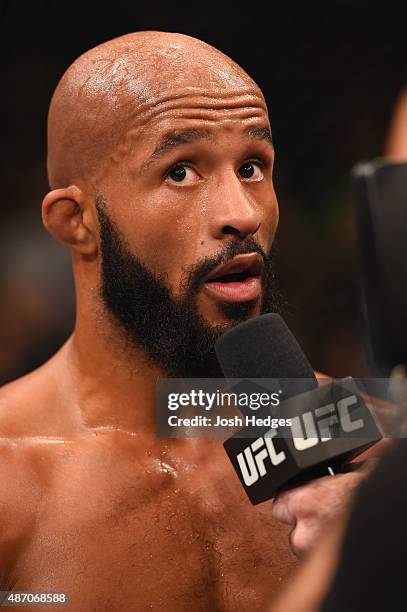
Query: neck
[114,384]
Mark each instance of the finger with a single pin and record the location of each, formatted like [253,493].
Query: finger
[282,509]
[303,537]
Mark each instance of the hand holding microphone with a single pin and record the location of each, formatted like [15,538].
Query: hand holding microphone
[330,425]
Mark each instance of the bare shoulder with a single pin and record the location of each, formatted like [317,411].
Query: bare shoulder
[19,483]
[20,503]
[14,397]
[28,405]
[24,405]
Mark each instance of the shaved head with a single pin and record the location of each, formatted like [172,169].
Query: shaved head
[109,89]
[160,162]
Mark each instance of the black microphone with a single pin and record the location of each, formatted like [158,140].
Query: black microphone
[379,192]
[264,347]
[325,420]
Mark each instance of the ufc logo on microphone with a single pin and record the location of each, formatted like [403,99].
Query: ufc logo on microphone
[329,426]
[251,460]
[307,431]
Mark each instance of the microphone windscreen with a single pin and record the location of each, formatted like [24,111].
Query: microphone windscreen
[263,347]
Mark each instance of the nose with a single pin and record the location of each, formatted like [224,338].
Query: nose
[234,212]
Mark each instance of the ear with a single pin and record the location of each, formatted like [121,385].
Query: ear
[69,220]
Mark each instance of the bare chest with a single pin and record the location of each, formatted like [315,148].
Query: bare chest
[149,539]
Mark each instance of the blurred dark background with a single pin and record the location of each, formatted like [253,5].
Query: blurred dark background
[330,71]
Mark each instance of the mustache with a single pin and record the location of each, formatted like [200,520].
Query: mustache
[197,274]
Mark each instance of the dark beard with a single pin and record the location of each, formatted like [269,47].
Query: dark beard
[170,330]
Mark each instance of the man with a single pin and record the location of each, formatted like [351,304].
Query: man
[160,167]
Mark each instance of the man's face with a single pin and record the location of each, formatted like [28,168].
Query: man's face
[189,197]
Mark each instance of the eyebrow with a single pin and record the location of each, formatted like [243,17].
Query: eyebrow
[176,138]
[261,133]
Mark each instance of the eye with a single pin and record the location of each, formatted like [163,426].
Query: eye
[251,170]
[182,173]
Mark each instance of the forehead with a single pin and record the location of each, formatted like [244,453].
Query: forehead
[240,109]
[181,88]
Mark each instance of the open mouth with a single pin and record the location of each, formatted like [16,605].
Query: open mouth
[233,277]
[237,280]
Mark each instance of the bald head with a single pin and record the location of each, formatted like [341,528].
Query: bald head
[160,164]
[109,88]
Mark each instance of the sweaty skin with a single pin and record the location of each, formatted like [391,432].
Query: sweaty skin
[92,502]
